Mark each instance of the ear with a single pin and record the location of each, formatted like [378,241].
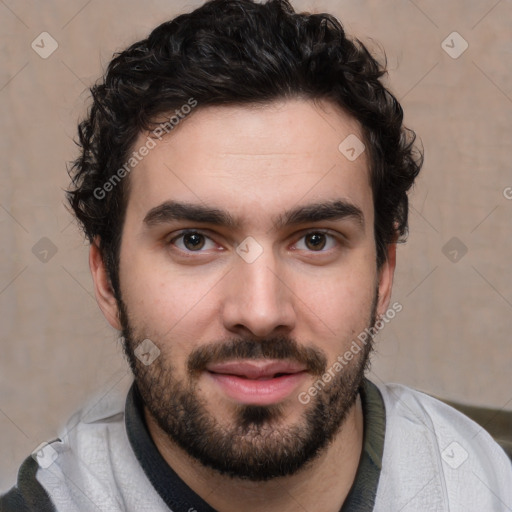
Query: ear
[386,274]
[102,288]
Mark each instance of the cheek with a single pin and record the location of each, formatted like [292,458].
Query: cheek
[167,305]
[335,308]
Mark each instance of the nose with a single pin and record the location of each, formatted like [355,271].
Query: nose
[259,300]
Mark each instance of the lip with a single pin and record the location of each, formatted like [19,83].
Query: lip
[257,382]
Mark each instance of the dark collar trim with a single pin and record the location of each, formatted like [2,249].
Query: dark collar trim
[177,495]
[361,497]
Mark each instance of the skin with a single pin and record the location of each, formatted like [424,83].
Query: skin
[255,163]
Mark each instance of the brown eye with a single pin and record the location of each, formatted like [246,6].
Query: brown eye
[193,241]
[315,241]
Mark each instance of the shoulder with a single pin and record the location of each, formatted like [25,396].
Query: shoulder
[406,405]
[444,456]
[28,495]
[76,468]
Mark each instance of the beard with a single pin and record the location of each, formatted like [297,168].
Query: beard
[257,444]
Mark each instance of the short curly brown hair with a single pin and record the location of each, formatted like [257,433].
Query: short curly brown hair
[238,52]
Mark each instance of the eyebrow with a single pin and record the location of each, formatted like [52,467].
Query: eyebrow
[315,212]
[318,212]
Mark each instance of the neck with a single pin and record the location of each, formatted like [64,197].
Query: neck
[322,485]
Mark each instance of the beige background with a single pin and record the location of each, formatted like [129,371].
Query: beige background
[452,337]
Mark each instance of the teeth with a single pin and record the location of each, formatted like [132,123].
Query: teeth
[249,378]
[261,378]
[270,377]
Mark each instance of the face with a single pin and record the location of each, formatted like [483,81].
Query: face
[248,260]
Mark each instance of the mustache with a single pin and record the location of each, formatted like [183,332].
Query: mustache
[278,347]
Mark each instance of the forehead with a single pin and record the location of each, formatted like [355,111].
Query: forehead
[254,161]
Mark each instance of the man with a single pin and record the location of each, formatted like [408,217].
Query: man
[243,182]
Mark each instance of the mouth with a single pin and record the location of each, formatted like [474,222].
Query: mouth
[257,382]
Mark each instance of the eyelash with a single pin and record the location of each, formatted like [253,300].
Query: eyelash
[333,237]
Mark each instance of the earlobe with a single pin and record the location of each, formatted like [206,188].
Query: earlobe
[102,288]
[386,274]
